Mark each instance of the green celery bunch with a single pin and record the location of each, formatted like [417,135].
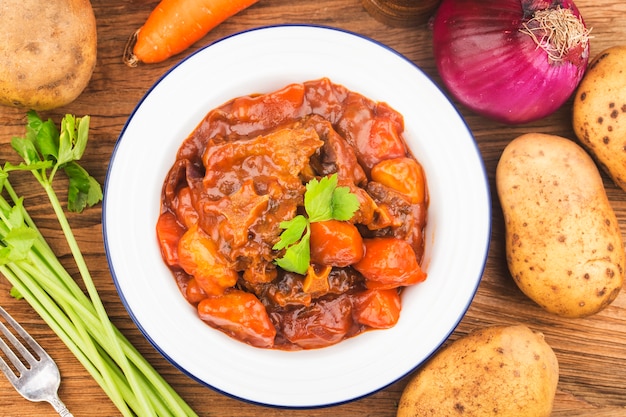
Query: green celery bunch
[36,274]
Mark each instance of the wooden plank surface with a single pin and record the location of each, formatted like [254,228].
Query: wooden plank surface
[591,351]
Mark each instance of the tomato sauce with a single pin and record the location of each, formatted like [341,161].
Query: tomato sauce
[244,170]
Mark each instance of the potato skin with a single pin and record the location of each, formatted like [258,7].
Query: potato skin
[505,371]
[599,112]
[563,242]
[48,52]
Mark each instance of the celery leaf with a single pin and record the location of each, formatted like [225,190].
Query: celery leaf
[323,201]
[45,148]
[297,257]
[84,190]
[318,198]
[294,229]
[344,203]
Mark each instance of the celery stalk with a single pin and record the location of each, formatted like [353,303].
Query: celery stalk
[30,265]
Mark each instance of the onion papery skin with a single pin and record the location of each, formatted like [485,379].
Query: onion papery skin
[496,70]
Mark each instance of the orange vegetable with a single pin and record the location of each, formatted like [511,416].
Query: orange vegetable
[389,262]
[184,208]
[240,314]
[175,25]
[194,291]
[169,232]
[379,309]
[335,243]
[198,255]
[404,175]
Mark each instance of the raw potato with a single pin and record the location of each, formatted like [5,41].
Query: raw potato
[599,112]
[563,242]
[47,52]
[504,371]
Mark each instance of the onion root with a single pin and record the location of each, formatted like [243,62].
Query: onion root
[557,31]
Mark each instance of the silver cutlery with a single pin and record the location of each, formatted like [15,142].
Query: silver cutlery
[32,372]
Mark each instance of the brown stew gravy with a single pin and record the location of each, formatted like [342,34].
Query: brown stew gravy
[243,171]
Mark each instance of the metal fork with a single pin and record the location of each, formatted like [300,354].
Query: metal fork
[35,376]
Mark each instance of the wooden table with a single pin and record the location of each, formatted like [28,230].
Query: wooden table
[591,351]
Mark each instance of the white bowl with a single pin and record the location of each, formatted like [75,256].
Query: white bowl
[264,60]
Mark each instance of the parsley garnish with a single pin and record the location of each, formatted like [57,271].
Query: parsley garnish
[323,200]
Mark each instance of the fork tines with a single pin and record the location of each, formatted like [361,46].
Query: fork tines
[29,355]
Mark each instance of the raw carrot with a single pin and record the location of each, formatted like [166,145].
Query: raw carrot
[175,25]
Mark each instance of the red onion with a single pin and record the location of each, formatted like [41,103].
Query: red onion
[514,61]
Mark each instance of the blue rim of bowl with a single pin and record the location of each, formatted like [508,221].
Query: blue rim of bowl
[155,344]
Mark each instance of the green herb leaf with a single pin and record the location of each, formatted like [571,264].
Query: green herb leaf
[294,229]
[84,190]
[323,201]
[18,243]
[25,147]
[43,135]
[73,138]
[344,204]
[43,148]
[297,257]
[318,198]
[18,238]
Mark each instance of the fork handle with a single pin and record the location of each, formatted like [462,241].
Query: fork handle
[60,408]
